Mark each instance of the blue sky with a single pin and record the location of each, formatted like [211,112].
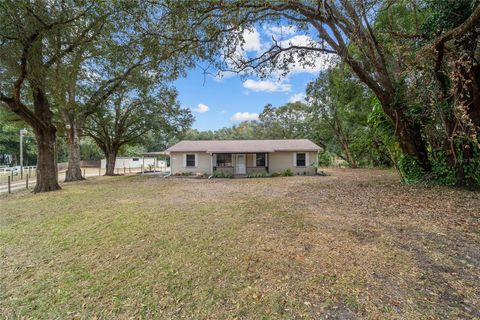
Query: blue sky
[217,103]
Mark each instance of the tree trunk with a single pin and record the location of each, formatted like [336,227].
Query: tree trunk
[348,154]
[110,156]
[409,135]
[74,172]
[47,173]
[412,144]
[464,126]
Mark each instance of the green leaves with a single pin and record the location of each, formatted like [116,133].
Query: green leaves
[127,117]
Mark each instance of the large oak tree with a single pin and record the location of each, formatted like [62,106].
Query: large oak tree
[128,115]
[127,44]
[29,48]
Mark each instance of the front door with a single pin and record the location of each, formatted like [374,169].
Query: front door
[240,167]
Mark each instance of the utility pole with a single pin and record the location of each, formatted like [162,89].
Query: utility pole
[23,132]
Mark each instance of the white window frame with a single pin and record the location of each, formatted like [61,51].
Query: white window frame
[185,160]
[295,160]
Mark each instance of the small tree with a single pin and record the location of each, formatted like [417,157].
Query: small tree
[129,115]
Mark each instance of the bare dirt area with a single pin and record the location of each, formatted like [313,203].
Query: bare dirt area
[354,244]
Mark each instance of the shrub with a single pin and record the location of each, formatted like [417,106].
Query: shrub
[442,173]
[222,174]
[258,175]
[287,173]
[275,174]
[471,167]
[410,170]
[324,159]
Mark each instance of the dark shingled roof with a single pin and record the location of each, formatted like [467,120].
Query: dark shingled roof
[246,146]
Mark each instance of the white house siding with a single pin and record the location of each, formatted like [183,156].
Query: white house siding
[203,162]
[129,162]
[250,160]
[280,161]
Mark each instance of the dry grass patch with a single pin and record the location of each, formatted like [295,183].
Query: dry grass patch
[353,244]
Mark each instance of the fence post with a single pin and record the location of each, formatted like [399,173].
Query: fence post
[21,173]
[84,173]
[9,191]
[26,181]
[124,170]
[29,170]
[129,169]
[12,174]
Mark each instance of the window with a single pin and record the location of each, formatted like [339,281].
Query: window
[190,160]
[260,159]
[301,160]
[224,160]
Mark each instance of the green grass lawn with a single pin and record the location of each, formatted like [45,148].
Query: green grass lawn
[353,244]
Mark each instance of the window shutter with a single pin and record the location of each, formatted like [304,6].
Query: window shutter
[196,160]
[294,159]
[307,163]
[184,160]
[254,159]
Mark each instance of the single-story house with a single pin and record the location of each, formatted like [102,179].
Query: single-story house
[242,157]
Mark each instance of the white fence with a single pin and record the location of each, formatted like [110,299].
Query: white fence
[16,170]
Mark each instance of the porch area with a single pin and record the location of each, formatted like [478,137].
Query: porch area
[240,164]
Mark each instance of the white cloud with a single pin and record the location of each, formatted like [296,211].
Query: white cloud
[257,41]
[298,40]
[201,108]
[251,43]
[244,116]
[266,85]
[252,40]
[317,62]
[297,97]
[278,31]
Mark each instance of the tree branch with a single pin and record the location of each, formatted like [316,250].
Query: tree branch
[466,26]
